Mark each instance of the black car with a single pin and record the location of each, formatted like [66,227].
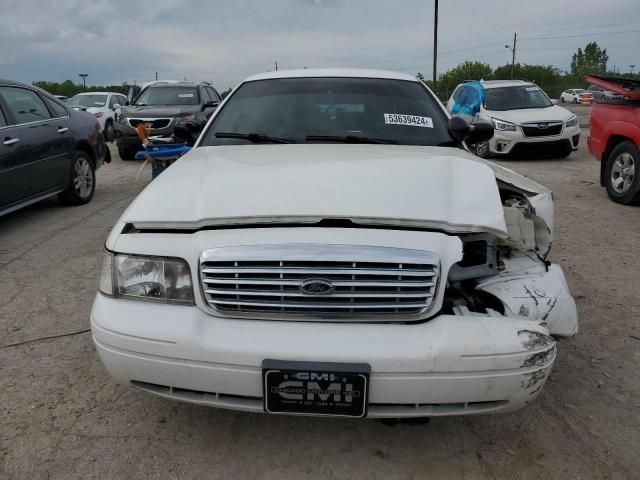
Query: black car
[46,149]
[164,104]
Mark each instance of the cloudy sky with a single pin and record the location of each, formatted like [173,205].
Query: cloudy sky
[122,40]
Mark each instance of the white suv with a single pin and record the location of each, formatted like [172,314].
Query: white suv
[525,120]
[103,105]
[328,247]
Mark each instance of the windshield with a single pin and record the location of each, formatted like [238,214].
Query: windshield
[312,110]
[88,101]
[515,98]
[168,96]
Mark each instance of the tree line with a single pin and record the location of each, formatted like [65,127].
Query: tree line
[590,60]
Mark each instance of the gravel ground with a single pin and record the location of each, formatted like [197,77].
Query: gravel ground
[62,417]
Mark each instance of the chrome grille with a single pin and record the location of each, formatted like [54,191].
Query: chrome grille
[542,129]
[156,123]
[368,283]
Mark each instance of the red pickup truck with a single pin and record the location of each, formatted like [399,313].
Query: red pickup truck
[614,139]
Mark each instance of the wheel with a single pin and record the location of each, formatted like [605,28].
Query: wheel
[562,100]
[126,154]
[575,100]
[482,150]
[82,184]
[109,132]
[622,174]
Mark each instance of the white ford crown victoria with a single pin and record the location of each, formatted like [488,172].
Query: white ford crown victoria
[330,248]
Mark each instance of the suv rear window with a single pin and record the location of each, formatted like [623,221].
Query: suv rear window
[161,95]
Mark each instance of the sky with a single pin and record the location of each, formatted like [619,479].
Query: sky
[114,41]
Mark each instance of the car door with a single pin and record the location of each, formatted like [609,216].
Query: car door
[45,139]
[13,169]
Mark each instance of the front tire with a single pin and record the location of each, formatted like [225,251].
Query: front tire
[109,132]
[126,155]
[575,100]
[482,150]
[82,184]
[622,174]
[562,100]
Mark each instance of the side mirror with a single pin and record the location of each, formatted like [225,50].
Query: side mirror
[116,106]
[471,133]
[211,104]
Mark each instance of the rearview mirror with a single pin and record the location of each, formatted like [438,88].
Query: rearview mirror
[471,133]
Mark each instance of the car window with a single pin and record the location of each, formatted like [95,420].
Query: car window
[3,122]
[113,100]
[88,100]
[25,105]
[163,95]
[515,98]
[56,109]
[206,95]
[456,93]
[215,95]
[395,111]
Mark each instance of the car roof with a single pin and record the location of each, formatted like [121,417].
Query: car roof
[504,83]
[333,72]
[99,93]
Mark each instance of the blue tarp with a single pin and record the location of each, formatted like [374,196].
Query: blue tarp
[469,100]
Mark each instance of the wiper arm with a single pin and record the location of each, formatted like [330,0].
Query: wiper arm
[348,139]
[254,137]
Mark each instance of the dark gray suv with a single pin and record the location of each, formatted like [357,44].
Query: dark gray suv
[163,104]
[46,149]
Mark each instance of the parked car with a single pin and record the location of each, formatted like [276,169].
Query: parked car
[602,94]
[614,139]
[576,95]
[47,149]
[525,119]
[105,106]
[164,104]
[328,247]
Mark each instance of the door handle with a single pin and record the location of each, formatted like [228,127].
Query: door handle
[10,141]
[62,129]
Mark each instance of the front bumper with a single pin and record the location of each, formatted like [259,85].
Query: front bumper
[450,365]
[127,138]
[504,143]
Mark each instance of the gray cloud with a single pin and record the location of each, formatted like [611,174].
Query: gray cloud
[116,40]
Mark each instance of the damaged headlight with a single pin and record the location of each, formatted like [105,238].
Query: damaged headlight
[572,122]
[166,280]
[503,126]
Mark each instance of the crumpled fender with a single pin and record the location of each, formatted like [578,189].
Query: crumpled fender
[528,289]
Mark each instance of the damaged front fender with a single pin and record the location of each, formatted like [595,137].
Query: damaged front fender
[529,289]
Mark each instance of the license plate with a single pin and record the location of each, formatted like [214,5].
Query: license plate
[311,388]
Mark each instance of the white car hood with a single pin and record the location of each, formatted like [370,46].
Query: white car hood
[402,186]
[520,116]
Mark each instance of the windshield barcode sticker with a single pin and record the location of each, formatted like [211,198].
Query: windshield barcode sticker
[409,120]
[185,95]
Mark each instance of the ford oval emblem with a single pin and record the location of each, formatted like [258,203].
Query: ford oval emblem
[317,286]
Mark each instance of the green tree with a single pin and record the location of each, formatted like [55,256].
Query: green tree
[420,77]
[547,77]
[592,59]
[468,70]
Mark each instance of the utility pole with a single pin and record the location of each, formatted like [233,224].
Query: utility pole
[276,65]
[435,44]
[513,54]
[84,77]
[156,75]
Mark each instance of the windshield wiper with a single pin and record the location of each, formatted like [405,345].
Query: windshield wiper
[348,139]
[254,137]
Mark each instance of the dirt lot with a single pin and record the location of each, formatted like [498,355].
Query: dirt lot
[62,417]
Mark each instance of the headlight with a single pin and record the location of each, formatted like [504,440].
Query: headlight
[572,122]
[122,119]
[156,279]
[99,114]
[503,126]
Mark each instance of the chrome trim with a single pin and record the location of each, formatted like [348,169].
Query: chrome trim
[11,141]
[550,123]
[331,307]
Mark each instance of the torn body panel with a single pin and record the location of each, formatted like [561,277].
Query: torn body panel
[527,288]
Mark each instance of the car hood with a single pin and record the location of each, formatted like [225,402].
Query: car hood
[374,185]
[521,116]
[155,111]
